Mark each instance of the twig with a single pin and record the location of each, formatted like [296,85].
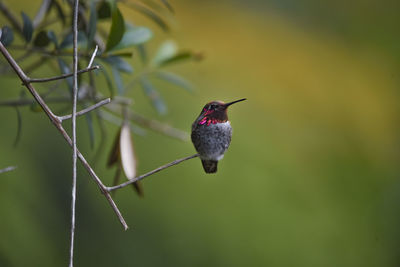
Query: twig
[45,52]
[63,76]
[41,13]
[56,122]
[111,118]
[86,110]
[152,124]
[93,56]
[139,119]
[74,149]
[112,188]
[27,102]
[60,99]
[8,169]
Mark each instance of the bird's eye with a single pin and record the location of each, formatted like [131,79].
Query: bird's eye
[212,106]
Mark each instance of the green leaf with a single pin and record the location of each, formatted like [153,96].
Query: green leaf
[19,127]
[167,50]
[117,177]
[27,27]
[119,64]
[114,155]
[7,36]
[150,14]
[181,56]
[108,80]
[153,95]
[175,79]
[123,54]
[89,121]
[142,53]
[104,10]
[134,36]
[92,24]
[42,39]
[64,70]
[80,77]
[53,38]
[118,80]
[168,5]
[117,29]
[68,40]
[60,12]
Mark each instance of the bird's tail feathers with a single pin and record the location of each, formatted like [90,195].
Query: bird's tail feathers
[210,166]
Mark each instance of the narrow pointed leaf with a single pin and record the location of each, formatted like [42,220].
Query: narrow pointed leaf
[153,95]
[142,53]
[27,27]
[108,80]
[150,14]
[117,29]
[89,121]
[7,36]
[175,79]
[64,70]
[41,39]
[179,57]
[117,177]
[19,127]
[53,38]
[168,5]
[137,186]
[59,10]
[104,10]
[123,54]
[167,50]
[68,40]
[113,157]
[119,63]
[92,27]
[134,36]
[118,81]
[127,153]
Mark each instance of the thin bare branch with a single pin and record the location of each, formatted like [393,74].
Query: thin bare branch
[86,110]
[56,122]
[111,118]
[27,102]
[112,188]
[152,124]
[44,52]
[93,56]
[42,80]
[158,126]
[41,13]
[8,169]
[73,119]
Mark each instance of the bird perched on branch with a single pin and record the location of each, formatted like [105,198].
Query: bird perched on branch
[211,133]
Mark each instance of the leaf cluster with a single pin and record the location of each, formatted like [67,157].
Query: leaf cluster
[46,39]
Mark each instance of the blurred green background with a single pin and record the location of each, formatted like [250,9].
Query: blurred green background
[312,174]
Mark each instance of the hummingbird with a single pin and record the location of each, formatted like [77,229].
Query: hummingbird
[211,133]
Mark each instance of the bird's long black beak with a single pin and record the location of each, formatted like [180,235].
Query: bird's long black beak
[233,102]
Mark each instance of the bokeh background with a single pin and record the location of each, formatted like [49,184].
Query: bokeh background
[312,174]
